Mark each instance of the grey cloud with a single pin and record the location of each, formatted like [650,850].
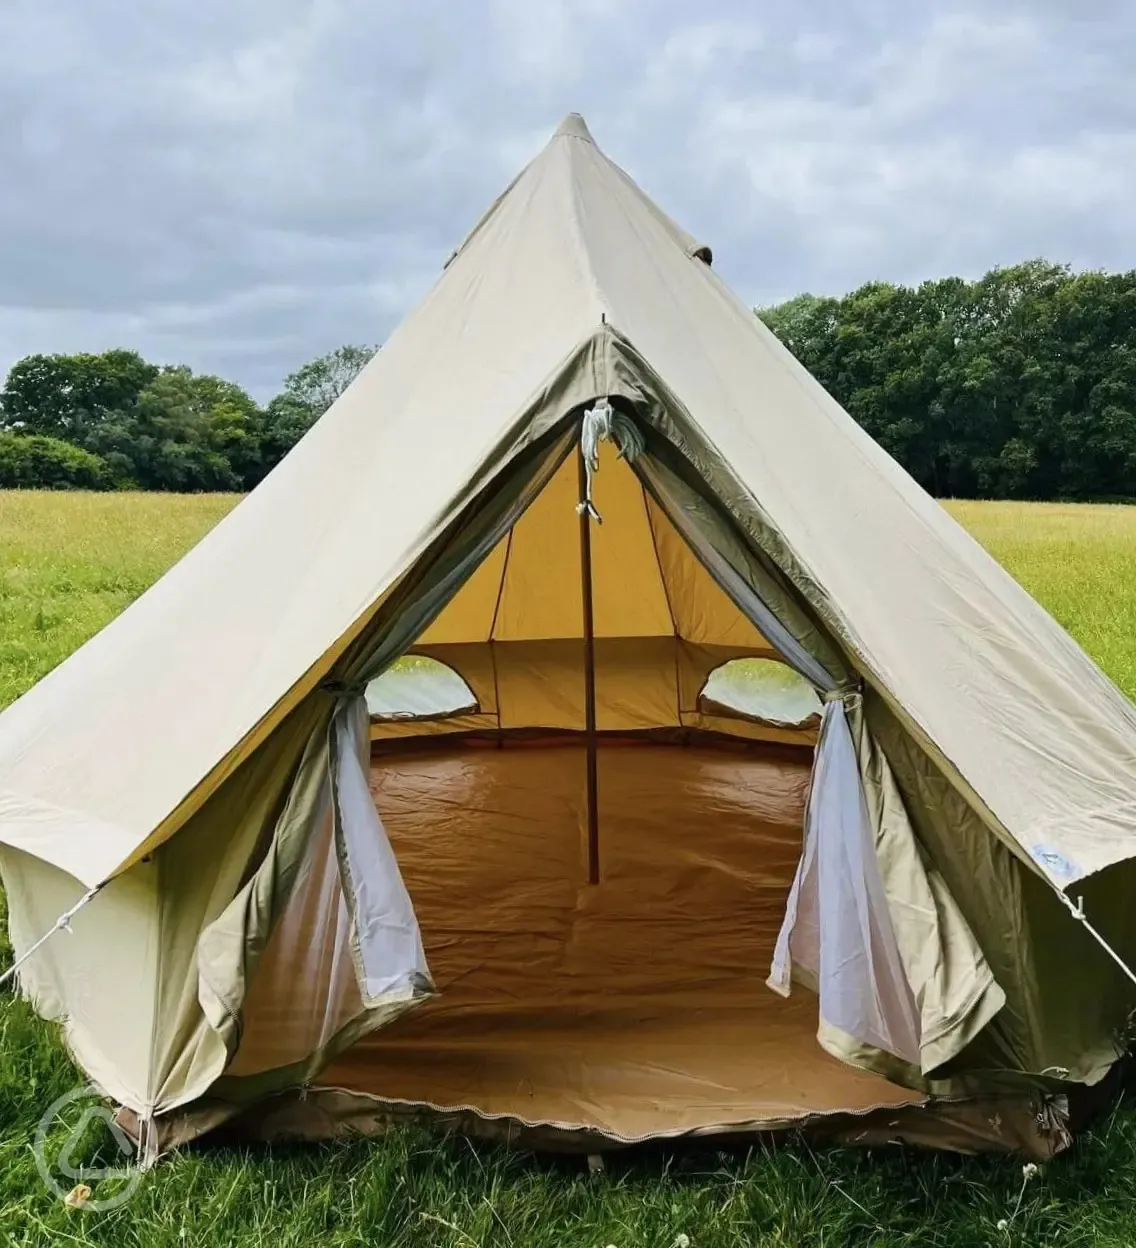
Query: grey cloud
[242,186]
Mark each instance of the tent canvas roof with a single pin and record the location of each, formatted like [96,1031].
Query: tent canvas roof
[116,743]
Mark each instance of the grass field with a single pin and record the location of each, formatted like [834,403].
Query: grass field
[69,563]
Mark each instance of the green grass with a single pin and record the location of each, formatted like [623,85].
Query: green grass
[68,563]
[1079,561]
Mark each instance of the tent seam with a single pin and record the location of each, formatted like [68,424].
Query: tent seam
[159,979]
[667,599]
[493,627]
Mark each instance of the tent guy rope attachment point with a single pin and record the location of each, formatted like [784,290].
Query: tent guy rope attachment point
[63,923]
[1077,910]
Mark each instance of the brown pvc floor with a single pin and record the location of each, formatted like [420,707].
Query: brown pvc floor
[636,1007]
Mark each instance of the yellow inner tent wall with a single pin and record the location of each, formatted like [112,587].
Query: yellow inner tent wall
[514,631]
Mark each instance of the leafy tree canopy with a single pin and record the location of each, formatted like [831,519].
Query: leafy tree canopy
[34,462]
[69,396]
[1019,385]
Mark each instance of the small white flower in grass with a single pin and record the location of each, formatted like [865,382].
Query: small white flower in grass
[681,1240]
[1029,1170]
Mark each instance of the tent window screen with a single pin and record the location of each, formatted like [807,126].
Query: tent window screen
[418,687]
[387,944]
[761,689]
[837,937]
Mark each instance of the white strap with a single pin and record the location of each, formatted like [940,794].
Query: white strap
[597,427]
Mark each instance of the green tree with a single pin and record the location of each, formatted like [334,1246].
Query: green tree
[307,394]
[286,420]
[1021,384]
[1088,428]
[321,381]
[71,396]
[35,462]
[185,433]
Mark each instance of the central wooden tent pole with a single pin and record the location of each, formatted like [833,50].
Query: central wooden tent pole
[589,676]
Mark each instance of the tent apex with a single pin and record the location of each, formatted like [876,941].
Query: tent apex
[574,127]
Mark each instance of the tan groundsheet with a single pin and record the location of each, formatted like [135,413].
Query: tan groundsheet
[632,1008]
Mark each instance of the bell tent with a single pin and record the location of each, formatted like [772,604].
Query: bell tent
[586,735]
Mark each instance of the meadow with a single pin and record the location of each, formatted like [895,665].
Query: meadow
[70,562]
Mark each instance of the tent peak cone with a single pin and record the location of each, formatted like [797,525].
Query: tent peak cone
[574,127]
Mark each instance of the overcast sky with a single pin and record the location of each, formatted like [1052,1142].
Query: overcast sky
[243,184]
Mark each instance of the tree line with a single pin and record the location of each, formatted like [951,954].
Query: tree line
[1021,384]
[116,421]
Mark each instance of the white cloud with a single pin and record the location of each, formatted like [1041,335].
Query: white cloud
[933,152]
[542,42]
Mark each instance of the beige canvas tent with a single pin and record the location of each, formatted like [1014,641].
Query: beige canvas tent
[559,875]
